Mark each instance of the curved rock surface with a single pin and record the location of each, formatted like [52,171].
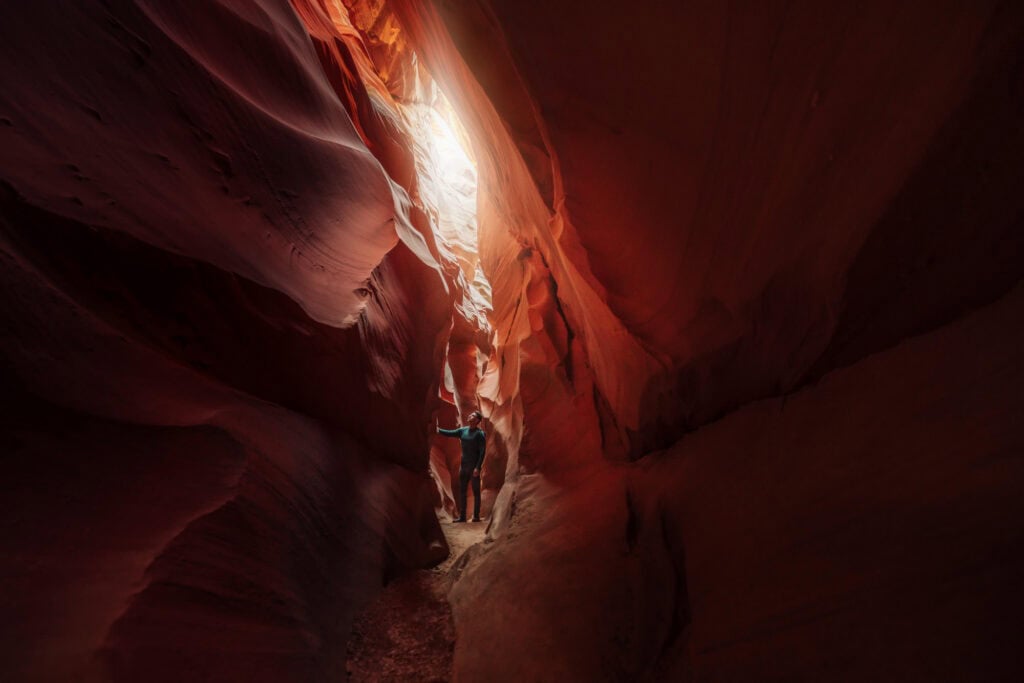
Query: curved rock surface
[706,205]
[220,358]
[741,306]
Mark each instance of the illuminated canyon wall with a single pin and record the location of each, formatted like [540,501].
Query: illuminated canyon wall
[743,316]
[778,256]
[222,352]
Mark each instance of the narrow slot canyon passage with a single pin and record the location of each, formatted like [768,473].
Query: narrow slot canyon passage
[407,632]
[735,288]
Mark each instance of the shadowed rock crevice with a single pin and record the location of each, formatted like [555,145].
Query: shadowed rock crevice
[737,289]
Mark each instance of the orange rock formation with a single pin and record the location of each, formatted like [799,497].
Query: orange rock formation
[737,289]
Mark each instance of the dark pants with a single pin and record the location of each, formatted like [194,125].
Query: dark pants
[464,478]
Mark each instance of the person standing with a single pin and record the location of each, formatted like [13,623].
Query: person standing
[474,443]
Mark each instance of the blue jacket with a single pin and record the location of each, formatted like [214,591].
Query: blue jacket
[474,443]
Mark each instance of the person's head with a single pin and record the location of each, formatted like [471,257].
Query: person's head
[474,419]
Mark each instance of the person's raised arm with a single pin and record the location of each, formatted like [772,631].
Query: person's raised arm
[448,432]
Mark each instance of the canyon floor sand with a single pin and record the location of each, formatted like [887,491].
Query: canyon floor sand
[407,633]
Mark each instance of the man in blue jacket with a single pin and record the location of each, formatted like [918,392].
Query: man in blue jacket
[474,442]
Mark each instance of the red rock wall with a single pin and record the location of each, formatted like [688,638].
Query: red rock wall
[753,355]
[864,528]
[220,359]
[705,205]
[743,185]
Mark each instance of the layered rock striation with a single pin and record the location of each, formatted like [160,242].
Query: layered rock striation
[736,288]
[771,256]
[223,347]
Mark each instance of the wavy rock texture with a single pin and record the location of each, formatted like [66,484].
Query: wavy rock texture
[408,122]
[684,210]
[743,315]
[221,356]
[821,536]
[727,181]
